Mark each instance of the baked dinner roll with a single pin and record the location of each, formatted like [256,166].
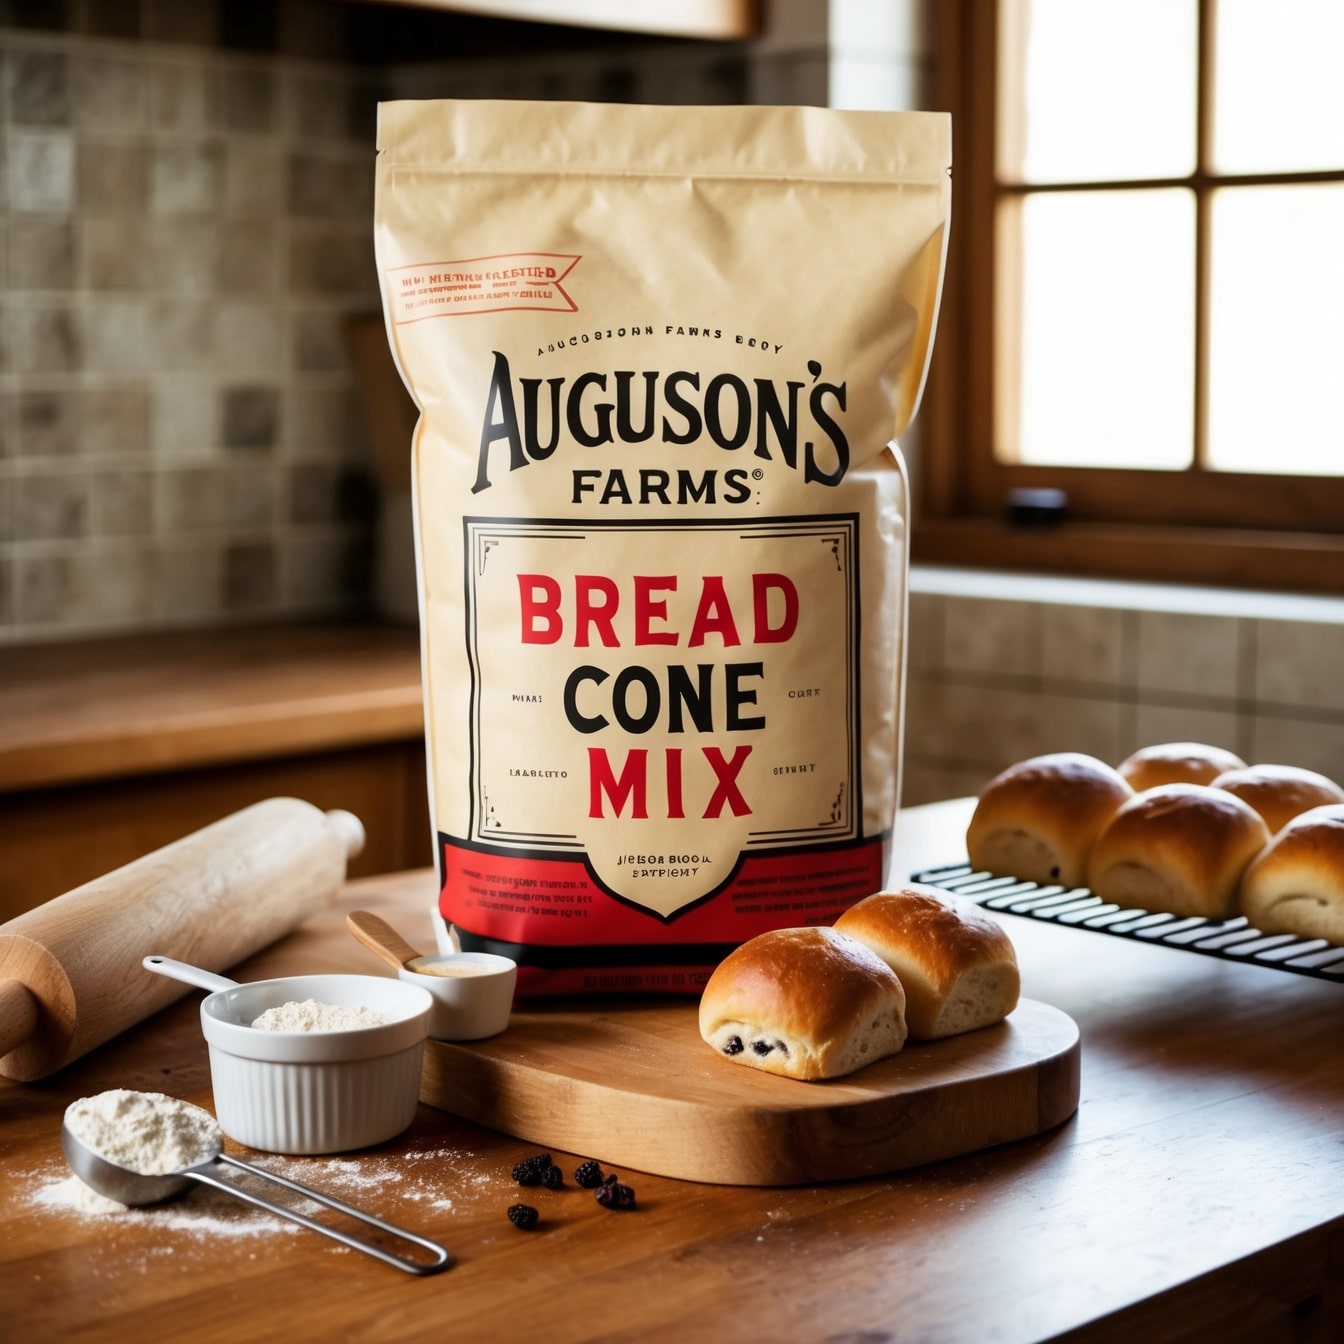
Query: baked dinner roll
[1037,820]
[1297,884]
[956,965]
[803,1003]
[1176,763]
[1280,792]
[1181,848]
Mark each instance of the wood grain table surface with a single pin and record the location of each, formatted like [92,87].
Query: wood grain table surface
[1197,1193]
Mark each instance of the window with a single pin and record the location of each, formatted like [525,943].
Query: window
[1145,296]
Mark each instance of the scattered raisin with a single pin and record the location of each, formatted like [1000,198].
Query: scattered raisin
[733,1046]
[588,1175]
[611,1194]
[523,1216]
[552,1178]
[762,1048]
[532,1170]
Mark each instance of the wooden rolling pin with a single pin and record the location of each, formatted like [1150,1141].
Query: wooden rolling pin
[70,973]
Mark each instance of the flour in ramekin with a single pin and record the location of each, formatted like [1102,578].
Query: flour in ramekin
[313,1015]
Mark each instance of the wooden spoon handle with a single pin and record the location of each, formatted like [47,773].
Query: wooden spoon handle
[380,938]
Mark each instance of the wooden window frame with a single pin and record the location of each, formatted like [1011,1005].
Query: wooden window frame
[1186,526]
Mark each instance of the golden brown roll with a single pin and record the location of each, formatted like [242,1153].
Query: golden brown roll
[1280,792]
[1177,763]
[1297,884]
[1181,848]
[803,1003]
[1037,820]
[956,965]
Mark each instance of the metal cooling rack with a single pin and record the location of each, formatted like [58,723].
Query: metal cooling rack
[1230,939]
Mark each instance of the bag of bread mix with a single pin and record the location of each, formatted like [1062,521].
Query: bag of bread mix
[661,356]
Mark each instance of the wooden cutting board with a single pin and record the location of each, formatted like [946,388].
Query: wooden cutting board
[633,1085]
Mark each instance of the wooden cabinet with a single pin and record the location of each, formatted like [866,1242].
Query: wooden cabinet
[112,748]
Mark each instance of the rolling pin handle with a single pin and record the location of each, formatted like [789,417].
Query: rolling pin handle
[18,1015]
[350,829]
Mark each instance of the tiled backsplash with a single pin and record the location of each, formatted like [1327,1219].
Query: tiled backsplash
[1013,667]
[186,221]
[185,227]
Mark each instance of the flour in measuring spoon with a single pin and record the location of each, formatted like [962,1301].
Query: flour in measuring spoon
[146,1132]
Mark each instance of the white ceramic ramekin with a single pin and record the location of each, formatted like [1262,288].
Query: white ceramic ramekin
[312,1091]
[467,1007]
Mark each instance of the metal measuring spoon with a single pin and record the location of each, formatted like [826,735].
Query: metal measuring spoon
[136,1188]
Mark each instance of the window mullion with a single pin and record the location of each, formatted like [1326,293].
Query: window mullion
[1203,261]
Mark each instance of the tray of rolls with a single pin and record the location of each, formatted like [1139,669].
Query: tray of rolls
[1182,845]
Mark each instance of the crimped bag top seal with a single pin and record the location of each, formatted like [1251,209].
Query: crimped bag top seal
[661,356]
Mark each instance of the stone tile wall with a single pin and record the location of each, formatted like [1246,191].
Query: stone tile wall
[185,224]
[1005,667]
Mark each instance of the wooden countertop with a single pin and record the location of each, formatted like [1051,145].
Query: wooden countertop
[112,708]
[1198,1193]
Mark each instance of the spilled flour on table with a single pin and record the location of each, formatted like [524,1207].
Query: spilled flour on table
[202,1212]
[438,1177]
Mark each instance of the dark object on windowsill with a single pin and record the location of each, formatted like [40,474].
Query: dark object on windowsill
[1037,507]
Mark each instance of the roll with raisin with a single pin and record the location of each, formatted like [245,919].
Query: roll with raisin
[803,1003]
